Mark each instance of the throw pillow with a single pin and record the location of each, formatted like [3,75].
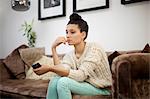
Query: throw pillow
[30,55]
[112,56]
[15,64]
[146,49]
[30,74]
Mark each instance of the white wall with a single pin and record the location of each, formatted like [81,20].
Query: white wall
[0,33]
[2,7]
[149,24]
[120,27]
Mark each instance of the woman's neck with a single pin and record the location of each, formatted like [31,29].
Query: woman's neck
[79,49]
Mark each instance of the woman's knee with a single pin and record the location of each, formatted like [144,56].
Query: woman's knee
[53,82]
[63,82]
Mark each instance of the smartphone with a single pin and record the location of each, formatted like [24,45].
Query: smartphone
[37,65]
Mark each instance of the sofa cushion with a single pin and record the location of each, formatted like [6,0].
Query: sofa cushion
[30,55]
[4,72]
[27,87]
[30,74]
[146,49]
[112,56]
[92,97]
[15,64]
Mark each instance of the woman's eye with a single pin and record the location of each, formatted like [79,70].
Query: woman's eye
[72,32]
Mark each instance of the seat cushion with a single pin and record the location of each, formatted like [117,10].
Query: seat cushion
[27,87]
[36,88]
[92,97]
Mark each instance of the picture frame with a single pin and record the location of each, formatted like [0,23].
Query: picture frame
[89,5]
[48,9]
[131,1]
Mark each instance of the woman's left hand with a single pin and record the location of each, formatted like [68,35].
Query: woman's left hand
[41,70]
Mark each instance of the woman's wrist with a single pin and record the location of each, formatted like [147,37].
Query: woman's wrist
[53,47]
[49,69]
[53,50]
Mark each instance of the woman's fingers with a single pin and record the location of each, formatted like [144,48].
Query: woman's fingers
[41,70]
[37,71]
[59,41]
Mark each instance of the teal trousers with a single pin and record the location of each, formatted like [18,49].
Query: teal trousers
[62,87]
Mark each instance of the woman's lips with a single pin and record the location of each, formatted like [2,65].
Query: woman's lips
[68,40]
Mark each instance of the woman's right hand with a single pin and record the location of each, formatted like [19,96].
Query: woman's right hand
[59,41]
[43,69]
[56,43]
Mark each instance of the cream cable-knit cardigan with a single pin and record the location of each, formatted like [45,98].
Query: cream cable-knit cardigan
[91,67]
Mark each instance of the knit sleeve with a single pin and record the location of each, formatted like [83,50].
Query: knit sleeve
[83,72]
[66,62]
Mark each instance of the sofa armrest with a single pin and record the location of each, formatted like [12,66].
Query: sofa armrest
[127,67]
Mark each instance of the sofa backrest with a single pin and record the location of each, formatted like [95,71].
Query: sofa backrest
[124,52]
[6,74]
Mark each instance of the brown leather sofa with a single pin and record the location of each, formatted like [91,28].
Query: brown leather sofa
[130,74]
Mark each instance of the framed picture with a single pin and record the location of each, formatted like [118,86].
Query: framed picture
[88,5]
[131,1]
[48,9]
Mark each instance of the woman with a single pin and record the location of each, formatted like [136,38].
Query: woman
[84,70]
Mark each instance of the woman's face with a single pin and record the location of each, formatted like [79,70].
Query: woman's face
[73,34]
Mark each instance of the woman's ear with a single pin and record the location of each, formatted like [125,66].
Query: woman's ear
[83,34]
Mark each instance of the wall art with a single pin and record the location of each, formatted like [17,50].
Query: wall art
[88,5]
[48,9]
[131,1]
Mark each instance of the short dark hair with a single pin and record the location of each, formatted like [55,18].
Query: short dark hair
[77,19]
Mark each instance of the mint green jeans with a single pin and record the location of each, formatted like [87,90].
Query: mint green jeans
[62,87]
